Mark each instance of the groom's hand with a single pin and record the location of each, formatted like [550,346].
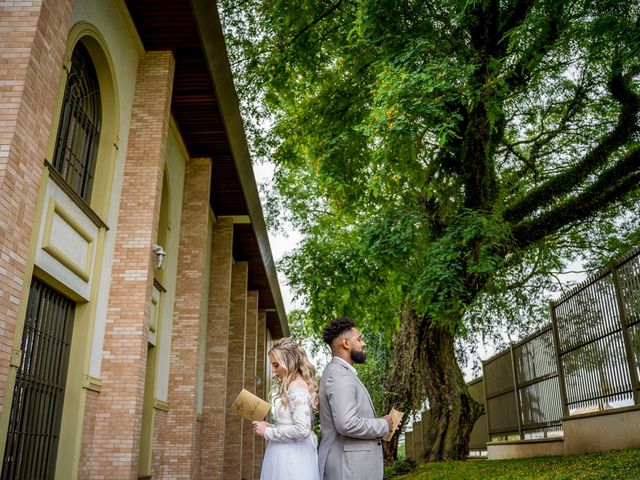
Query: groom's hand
[389,422]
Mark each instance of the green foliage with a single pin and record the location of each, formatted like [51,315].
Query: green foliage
[376,368]
[471,246]
[453,154]
[381,111]
[399,467]
[618,464]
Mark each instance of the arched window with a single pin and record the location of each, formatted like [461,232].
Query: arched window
[79,131]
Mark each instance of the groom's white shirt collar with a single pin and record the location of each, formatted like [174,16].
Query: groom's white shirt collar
[350,367]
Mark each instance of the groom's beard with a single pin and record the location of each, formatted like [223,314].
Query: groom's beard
[358,357]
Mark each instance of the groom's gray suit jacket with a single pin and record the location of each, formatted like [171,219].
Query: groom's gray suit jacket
[351,445]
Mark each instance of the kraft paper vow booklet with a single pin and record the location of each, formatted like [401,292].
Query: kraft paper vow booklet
[396,418]
[250,406]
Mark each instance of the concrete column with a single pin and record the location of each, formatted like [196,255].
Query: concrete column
[215,376]
[235,370]
[181,452]
[250,338]
[261,339]
[114,453]
[32,49]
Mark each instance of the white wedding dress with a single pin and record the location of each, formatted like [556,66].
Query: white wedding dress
[291,453]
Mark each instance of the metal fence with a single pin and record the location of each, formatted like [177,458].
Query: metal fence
[587,360]
[598,339]
[522,389]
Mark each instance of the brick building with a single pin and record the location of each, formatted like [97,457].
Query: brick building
[138,293]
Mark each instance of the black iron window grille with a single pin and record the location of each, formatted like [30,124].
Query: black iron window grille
[79,130]
[36,412]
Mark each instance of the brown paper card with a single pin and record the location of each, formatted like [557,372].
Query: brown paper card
[250,406]
[396,418]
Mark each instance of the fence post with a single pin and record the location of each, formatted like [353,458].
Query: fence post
[556,343]
[408,445]
[515,390]
[633,372]
[426,426]
[486,403]
[418,439]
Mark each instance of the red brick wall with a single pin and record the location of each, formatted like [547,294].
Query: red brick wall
[88,430]
[235,369]
[197,457]
[32,44]
[180,444]
[114,453]
[248,435]
[260,387]
[159,462]
[215,375]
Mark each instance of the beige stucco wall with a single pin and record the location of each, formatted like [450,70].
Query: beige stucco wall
[174,171]
[598,433]
[67,246]
[524,449]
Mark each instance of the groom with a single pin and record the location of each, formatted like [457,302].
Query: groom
[351,446]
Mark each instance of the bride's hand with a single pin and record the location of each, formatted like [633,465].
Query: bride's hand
[260,426]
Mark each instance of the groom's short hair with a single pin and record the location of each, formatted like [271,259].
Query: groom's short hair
[336,328]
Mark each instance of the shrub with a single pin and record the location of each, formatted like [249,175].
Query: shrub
[399,467]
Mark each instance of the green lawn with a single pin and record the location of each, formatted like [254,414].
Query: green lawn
[622,464]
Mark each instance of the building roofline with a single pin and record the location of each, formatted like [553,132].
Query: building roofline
[207,20]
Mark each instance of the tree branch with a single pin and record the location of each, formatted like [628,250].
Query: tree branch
[531,57]
[314,22]
[511,148]
[232,8]
[561,184]
[612,185]
[521,282]
[480,130]
[515,16]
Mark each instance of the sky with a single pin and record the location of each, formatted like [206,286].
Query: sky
[281,243]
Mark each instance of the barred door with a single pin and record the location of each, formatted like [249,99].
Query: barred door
[34,424]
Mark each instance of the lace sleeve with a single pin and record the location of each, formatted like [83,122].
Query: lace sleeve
[300,409]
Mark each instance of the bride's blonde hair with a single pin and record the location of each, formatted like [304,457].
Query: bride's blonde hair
[293,359]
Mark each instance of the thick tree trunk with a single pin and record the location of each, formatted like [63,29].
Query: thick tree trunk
[390,449]
[452,410]
[404,381]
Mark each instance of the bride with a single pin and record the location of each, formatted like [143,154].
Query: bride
[291,453]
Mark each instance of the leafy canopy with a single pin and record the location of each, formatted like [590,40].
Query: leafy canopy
[451,153]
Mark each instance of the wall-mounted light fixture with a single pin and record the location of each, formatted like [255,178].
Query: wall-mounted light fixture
[160,257]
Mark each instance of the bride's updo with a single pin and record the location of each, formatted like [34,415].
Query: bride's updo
[293,359]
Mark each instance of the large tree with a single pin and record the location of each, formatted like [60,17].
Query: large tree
[434,153]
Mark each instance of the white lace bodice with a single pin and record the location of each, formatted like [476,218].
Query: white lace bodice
[293,422]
